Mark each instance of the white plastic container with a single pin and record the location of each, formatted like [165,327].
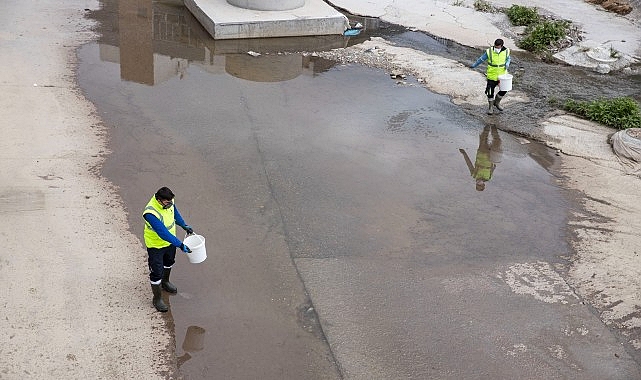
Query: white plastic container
[198,252]
[505,82]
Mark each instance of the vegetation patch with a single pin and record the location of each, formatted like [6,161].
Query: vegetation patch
[484,6]
[522,16]
[619,113]
[541,33]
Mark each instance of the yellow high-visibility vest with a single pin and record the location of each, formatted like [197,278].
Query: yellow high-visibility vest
[482,166]
[166,216]
[496,63]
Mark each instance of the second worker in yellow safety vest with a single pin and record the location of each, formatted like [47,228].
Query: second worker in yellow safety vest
[498,61]
[161,217]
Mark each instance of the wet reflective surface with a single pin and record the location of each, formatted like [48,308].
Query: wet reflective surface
[346,232]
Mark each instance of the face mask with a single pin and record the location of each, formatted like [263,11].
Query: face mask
[497,50]
[165,205]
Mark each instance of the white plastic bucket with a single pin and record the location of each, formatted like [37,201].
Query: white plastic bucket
[198,252]
[505,82]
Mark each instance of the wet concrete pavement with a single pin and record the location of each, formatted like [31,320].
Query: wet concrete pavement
[344,232]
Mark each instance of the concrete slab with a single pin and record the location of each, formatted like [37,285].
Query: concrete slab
[225,21]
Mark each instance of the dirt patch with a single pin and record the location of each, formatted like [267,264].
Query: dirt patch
[75,297]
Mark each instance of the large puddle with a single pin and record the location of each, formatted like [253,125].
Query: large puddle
[318,187]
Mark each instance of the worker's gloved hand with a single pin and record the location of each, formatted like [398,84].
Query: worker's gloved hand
[185,248]
[188,229]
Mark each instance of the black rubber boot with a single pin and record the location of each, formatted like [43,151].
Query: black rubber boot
[159,304]
[489,108]
[497,101]
[168,286]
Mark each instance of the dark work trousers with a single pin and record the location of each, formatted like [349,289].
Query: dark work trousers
[489,89]
[159,259]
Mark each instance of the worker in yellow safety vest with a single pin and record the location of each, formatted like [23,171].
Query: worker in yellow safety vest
[498,62]
[161,217]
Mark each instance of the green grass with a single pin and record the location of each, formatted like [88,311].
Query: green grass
[542,35]
[521,16]
[619,113]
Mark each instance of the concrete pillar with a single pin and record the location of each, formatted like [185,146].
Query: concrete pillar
[268,5]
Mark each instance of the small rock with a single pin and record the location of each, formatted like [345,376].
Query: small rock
[602,68]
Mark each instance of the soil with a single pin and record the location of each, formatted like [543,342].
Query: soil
[76,298]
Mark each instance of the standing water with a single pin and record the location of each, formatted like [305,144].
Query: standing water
[347,232]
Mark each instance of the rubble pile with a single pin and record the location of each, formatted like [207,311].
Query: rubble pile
[621,7]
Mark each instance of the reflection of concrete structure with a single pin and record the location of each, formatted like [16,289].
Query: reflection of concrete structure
[268,5]
[153,43]
[230,19]
[268,68]
[136,51]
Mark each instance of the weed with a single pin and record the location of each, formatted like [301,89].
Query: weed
[614,53]
[541,35]
[522,16]
[483,6]
[548,57]
[555,102]
[459,3]
[619,113]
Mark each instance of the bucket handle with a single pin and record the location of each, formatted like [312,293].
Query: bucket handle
[193,234]
[186,234]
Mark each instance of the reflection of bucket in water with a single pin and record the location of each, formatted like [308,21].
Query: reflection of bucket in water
[198,252]
[194,339]
[505,82]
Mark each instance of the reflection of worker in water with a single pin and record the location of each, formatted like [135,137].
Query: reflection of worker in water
[194,342]
[487,156]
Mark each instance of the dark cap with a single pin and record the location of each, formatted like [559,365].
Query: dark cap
[498,42]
